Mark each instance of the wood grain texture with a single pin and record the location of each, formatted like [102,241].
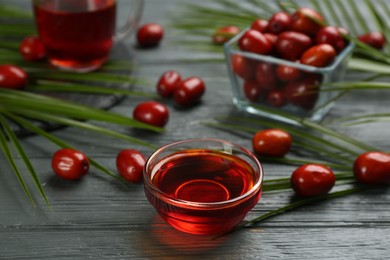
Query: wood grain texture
[97,218]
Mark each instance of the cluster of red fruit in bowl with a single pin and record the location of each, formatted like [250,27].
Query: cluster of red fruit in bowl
[288,57]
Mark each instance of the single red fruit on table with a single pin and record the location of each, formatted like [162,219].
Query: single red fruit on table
[12,77]
[32,49]
[254,41]
[291,45]
[312,180]
[332,36]
[224,34]
[276,98]
[243,67]
[150,35]
[303,93]
[320,55]
[307,21]
[374,39]
[189,91]
[279,22]
[70,164]
[167,83]
[252,91]
[272,142]
[372,168]
[130,164]
[288,73]
[152,113]
[266,75]
[260,25]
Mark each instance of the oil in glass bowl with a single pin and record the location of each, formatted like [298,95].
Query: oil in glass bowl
[203,191]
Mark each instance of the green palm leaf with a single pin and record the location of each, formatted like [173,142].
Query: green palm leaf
[8,154]
[28,125]
[69,87]
[11,12]
[16,29]
[300,203]
[90,127]
[14,140]
[21,101]
[364,119]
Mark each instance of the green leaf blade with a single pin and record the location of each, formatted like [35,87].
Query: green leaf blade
[8,154]
[20,101]
[25,159]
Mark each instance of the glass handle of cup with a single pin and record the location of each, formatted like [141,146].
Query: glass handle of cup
[132,20]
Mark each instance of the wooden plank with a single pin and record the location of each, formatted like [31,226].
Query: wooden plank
[98,218]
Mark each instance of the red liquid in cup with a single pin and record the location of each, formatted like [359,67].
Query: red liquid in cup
[77,34]
[207,177]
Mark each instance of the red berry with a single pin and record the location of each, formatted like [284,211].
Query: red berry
[266,76]
[319,55]
[152,113]
[307,21]
[254,41]
[150,35]
[279,22]
[260,25]
[12,77]
[312,180]
[343,31]
[332,36]
[303,93]
[32,49]
[272,38]
[252,91]
[243,67]
[276,98]
[70,164]
[189,91]
[272,142]
[291,45]
[372,168]
[167,83]
[224,34]
[374,39]
[130,164]
[288,73]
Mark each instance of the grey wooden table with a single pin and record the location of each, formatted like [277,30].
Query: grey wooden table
[97,218]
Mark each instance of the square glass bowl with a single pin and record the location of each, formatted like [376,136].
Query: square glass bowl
[258,88]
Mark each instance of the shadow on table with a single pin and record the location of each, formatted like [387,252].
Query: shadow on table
[162,237]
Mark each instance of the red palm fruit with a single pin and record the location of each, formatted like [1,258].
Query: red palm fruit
[254,41]
[291,45]
[374,39]
[319,55]
[279,22]
[307,21]
[332,36]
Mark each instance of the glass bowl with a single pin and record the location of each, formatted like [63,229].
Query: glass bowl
[261,85]
[203,186]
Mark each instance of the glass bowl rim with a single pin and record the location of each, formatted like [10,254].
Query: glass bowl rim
[205,205]
[228,48]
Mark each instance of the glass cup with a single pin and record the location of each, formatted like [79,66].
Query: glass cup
[79,34]
[261,85]
[203,186]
